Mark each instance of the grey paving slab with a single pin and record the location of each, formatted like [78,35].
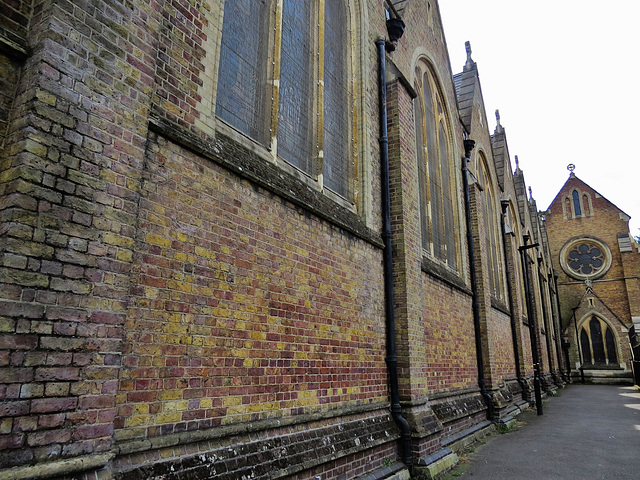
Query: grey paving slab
[588,432]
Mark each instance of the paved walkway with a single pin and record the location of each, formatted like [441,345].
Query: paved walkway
[588,432]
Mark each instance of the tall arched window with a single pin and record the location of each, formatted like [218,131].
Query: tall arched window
[576,203]
[491,230]
[286,84]
[597,343]
[437,205]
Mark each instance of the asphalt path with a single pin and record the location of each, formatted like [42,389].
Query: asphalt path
[587,432]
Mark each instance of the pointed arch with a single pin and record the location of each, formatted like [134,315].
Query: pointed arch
[598,342]
[438,212]
[493,238]
[577,210]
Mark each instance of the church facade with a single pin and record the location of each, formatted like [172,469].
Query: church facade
[260,240]
[598,266]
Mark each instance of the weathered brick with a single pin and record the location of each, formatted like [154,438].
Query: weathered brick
[56,389]
[31,390]
[64,344]
[14,261]
[18,342]
[68,314]
[53,405]
[65,285]
[51,421]
[48,437]
[14,409]
[11,441]
[48,374]
[21,309]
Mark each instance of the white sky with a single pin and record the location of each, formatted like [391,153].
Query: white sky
[564,75]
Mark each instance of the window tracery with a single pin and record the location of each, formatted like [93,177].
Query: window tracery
[585,258]
[597,343]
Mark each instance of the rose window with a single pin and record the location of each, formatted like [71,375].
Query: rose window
[585,258]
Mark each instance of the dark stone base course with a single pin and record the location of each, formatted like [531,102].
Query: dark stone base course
[443,417]
[274,454]
[457,407]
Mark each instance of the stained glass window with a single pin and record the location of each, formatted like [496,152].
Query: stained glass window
[336,140]
[295,127]
[494,251]
[419,115]
[585,258]
[610,343]
[597,343]
[586,346]
[242,77]
[437,206]
[309,71]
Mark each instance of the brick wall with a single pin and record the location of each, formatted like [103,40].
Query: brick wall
[171,292]
[70,173]
[240,312]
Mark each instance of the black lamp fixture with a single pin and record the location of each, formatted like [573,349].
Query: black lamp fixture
[395,27]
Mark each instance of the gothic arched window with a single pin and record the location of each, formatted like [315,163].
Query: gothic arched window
[492,235]
[597,343]
[437,205]
[576,203]
[286,83]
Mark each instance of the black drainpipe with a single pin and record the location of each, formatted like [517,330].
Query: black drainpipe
[514,331]
[578,344]
[558,327]
[392,360]
[532,324]
[468,146]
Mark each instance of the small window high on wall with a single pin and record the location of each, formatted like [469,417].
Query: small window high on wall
[577,205]
[284,82]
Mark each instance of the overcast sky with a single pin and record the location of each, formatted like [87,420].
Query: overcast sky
[564,75]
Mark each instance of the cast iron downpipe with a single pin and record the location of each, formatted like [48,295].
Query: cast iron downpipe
[558,327]
[532,324]
[468,146]
[514,331]
[579,345]
[392,360]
